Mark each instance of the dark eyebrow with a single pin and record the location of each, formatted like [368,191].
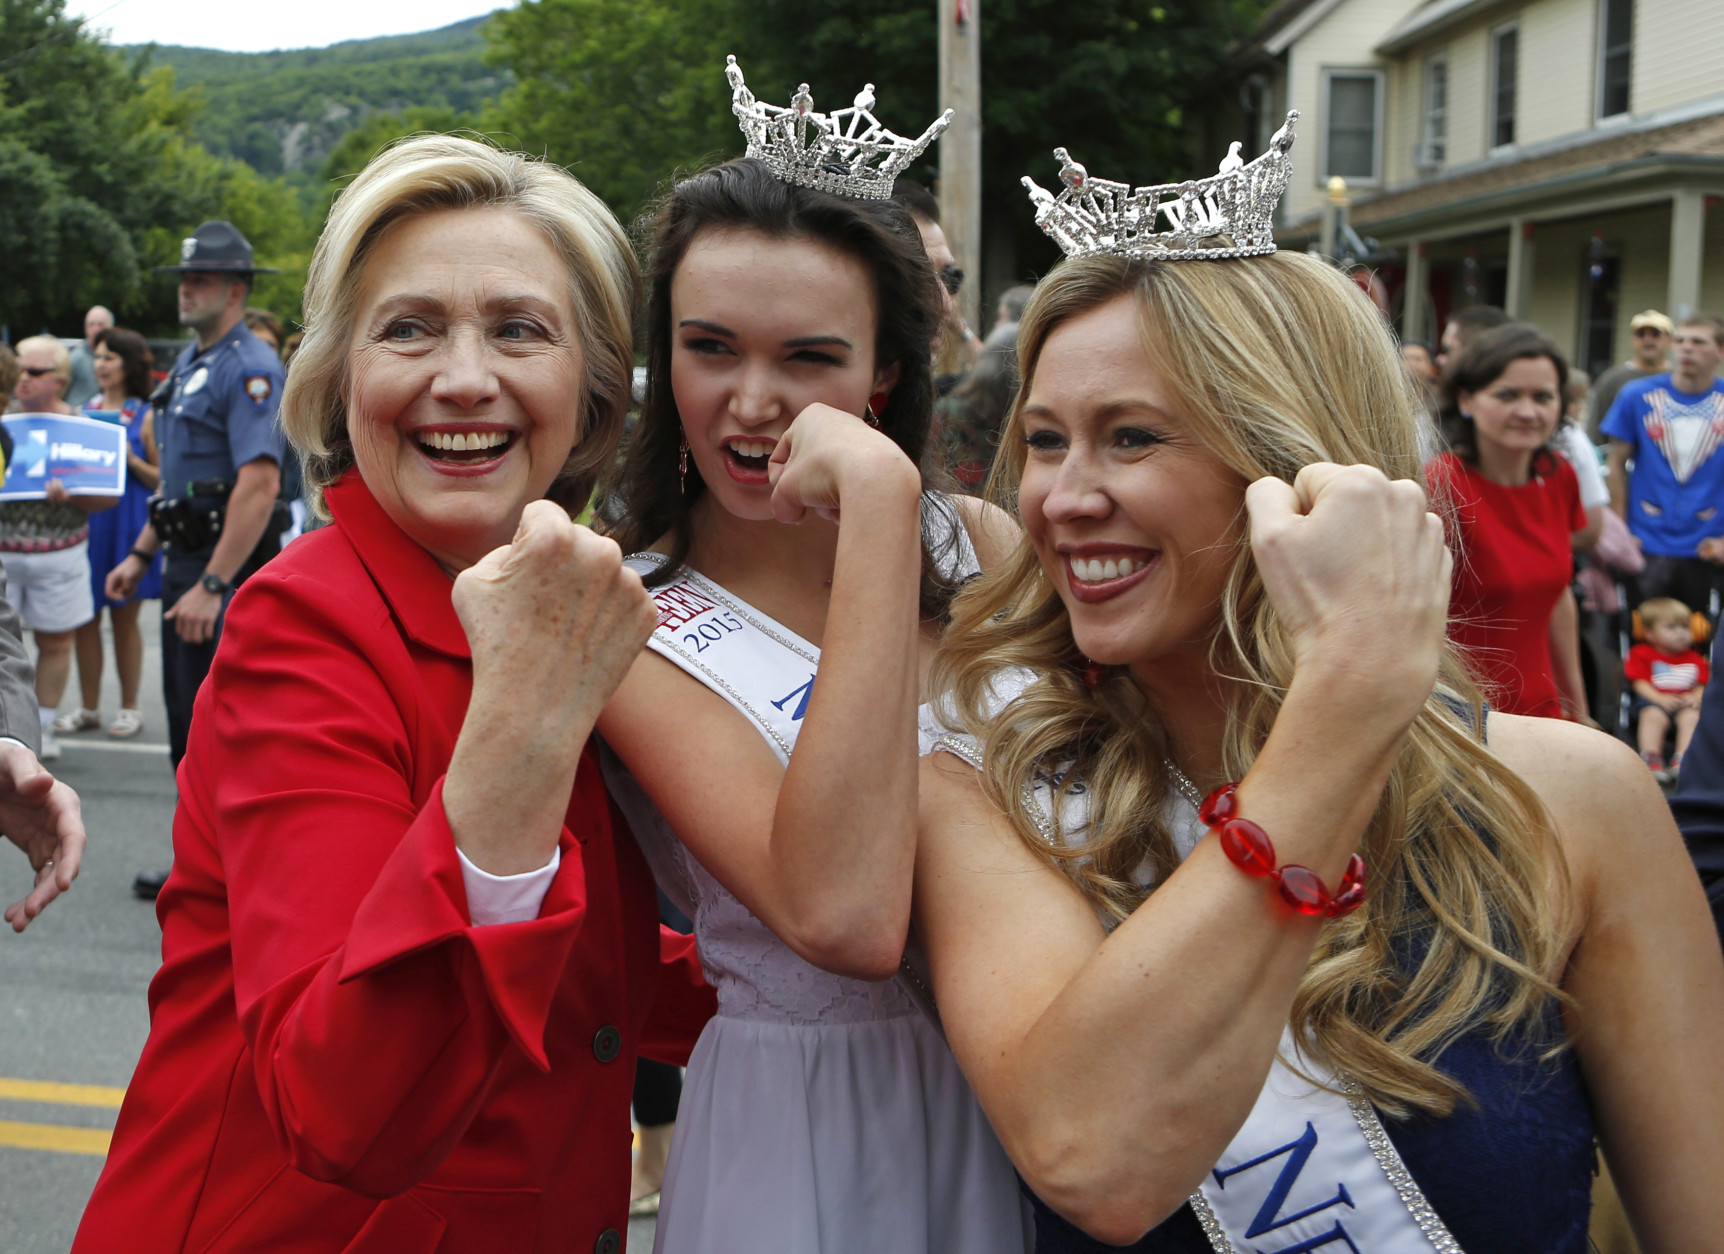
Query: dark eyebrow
[704,325]
[819,341]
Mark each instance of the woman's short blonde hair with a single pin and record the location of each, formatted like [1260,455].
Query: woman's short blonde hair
[431,172]
[56,350]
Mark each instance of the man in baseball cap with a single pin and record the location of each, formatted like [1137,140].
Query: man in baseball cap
[221,455]
[1651,333]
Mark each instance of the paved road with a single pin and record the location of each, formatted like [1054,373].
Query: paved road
[73,1016]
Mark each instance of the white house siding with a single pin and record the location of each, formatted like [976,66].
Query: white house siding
[1678,53]
[1341,39]
[1558,67]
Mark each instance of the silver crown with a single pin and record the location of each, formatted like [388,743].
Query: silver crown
[846,151]
[1234,209]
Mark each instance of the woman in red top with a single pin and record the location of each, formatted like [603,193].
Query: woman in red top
[1512,505]
[409,954]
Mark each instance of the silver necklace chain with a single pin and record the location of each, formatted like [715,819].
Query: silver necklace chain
[1182,782]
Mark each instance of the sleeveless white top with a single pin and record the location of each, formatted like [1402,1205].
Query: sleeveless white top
[820,1114]
[1312,1167]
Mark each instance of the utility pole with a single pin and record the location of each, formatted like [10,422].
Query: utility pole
[961,146]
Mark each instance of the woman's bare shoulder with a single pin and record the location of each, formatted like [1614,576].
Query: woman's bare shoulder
[1597,789]
[993,532]
[1559,756]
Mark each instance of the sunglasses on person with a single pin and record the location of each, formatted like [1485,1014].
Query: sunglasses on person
[1640,331]
[953,280]
[36,372]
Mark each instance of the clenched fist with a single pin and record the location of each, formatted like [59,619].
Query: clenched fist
[554,620]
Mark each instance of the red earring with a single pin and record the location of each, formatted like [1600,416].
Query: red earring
[1092,674]
[875,407]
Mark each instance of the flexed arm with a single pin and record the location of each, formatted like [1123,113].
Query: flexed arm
[822,852]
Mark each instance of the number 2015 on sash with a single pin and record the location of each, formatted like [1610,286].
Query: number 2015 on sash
[712,631]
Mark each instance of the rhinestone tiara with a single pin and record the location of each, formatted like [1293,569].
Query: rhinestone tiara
[846,152]
[1229,214]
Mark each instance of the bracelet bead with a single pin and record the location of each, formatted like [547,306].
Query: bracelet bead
[1249,848]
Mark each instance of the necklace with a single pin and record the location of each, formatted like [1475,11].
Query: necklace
[1182,782]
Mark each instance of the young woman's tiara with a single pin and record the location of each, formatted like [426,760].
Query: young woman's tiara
[846,151]
[1229,214]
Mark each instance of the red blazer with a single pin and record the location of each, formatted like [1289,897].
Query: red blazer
[338,1060]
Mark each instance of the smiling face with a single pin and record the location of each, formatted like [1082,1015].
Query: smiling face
[1517,412]
[760,330]
[1136,522]
[464,377]
[110,369]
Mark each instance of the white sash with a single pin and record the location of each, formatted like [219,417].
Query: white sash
[758,665]
[1313,1169]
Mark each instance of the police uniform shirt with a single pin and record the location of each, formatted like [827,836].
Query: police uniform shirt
[221,413]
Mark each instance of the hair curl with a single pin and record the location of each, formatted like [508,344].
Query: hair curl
[1275,362]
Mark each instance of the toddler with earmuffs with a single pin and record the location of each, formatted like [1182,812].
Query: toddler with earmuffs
[1668,678]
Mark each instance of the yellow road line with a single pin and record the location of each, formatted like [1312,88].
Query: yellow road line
[48,1136]
[63,1094]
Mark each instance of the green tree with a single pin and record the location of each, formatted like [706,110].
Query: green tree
[622,92]
[99,180]
[372,136]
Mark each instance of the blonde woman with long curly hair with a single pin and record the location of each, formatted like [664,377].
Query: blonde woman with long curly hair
[1171,1052]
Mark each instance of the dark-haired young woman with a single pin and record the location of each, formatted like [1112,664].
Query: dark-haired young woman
[1513,507]
[122,361]
[773,503]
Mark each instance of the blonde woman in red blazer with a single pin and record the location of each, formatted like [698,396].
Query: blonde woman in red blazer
[410,952]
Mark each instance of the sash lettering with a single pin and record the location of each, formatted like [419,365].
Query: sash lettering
[1268,1217]
[804,692]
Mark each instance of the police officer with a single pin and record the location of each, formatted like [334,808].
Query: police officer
[221,464]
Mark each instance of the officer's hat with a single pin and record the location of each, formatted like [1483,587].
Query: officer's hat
[216,247]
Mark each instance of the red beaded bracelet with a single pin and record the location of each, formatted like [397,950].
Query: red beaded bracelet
[1249,848]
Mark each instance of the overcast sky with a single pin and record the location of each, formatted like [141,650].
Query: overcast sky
[254,26]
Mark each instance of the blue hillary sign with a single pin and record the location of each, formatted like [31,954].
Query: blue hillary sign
[87,456]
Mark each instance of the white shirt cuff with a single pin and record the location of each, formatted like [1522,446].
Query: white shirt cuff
[13,740]
[506,898]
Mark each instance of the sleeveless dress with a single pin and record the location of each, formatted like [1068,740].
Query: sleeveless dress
[820,1114]
[1512,1175]
[114,531]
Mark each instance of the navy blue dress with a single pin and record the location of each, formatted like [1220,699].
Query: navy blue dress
[1511,1175]
[114,531]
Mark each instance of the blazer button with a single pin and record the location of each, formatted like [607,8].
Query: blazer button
[607,1044]
[608,1243]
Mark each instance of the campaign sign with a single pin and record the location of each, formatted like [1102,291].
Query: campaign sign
[87,456]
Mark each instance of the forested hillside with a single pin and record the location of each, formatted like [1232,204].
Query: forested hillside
[283,112]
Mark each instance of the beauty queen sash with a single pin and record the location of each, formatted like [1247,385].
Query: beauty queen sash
[757,664]
[1312,1168]
[760,666]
